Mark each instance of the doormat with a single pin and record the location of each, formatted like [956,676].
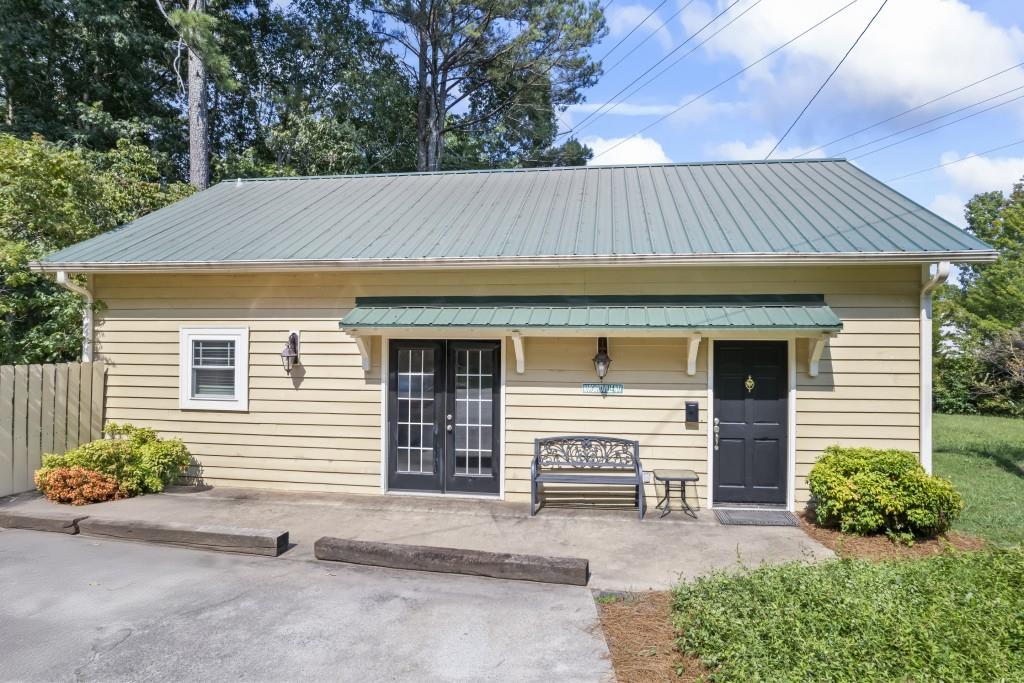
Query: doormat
[757,517]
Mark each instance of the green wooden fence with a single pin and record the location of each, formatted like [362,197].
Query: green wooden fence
[45,409]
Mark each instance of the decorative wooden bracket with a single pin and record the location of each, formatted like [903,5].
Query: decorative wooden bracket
[692,347]
[364,350]
[816,347]
[519,347]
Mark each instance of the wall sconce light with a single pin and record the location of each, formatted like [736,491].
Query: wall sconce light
[601,360]
[290,352]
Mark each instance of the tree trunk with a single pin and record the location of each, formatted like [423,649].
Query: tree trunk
[198,130]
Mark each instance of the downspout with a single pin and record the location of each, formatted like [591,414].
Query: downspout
[930,282]
[87,326]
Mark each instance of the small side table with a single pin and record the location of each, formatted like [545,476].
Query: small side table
[669,477]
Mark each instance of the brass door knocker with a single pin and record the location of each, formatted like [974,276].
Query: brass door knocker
[749,384]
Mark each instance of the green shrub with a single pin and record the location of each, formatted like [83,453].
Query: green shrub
[954,617]
[134,456]
[866,490]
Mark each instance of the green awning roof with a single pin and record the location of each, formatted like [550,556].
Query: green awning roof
[761,312]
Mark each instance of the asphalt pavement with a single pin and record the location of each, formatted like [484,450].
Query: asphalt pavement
[79,608]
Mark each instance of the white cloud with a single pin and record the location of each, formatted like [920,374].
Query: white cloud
[621,21]
[637,150]
[699,111]
[741,151]
[916,49]
[982,174]
[950,207]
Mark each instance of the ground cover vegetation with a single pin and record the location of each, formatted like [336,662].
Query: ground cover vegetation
[133,459]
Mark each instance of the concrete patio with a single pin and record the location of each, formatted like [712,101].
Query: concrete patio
[624,552]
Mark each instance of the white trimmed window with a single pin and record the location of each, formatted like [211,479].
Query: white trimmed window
[214,368]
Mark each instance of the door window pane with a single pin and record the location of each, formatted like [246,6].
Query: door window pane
[416,411]
[473,413]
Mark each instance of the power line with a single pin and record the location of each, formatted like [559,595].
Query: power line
[633,30]
[932,130]
[614,104]
[723,82]
[927,121]
[652,67]
[957,161]
[649,36]
[827,79]
[908,111]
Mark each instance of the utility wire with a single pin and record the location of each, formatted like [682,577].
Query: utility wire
[908,111]
[649,36]
[614,104]
[932,130]
[927,121]
[633,30]
[723,82]
[652,67]
[827,79]
[956,161]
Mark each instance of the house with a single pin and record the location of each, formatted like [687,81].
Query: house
[443,321]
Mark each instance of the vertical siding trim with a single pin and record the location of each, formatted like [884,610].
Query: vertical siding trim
[711,422]
[385,357]
[791,429]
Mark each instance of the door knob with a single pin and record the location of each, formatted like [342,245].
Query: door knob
[449,418]
[715,430]
[449,428]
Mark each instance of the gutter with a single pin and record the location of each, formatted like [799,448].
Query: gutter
[751,258]
[930,282]
[87,321]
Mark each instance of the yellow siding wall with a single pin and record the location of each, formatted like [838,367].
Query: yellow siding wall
[320,429]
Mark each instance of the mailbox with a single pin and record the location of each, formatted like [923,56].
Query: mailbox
[692,411]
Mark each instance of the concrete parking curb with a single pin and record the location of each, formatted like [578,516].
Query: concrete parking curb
[59,522]
[207,537]
[574,571]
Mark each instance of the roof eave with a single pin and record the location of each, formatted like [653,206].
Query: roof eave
[760,259]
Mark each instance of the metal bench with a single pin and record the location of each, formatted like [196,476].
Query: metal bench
[599,460]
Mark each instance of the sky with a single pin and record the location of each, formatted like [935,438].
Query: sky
[913,52]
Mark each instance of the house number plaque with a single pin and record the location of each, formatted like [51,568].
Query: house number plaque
[603,389]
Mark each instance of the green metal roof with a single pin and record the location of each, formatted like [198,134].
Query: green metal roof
[780,312]
[814,211]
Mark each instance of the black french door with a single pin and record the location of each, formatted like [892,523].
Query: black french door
[443,416]
[751,409]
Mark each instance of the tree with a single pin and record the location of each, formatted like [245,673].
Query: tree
[480,65]
[197,34]
[52,197]
[980,320]
[58,59]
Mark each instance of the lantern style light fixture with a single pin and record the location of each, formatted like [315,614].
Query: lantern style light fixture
[290,352]
[601,360]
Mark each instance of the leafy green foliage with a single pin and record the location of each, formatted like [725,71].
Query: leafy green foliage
[984,458]
[980,322]
[134,456]
[50,197]
[866,490]
[955,617]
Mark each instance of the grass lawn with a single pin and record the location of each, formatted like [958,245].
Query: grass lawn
[984,457]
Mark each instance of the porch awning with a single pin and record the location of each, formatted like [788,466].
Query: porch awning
[691,313]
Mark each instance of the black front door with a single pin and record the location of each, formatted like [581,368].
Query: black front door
[443,413]
[750,418]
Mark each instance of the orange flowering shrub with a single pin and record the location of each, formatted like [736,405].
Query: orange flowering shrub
[76,485]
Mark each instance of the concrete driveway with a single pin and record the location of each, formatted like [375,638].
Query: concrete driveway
[78,608]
